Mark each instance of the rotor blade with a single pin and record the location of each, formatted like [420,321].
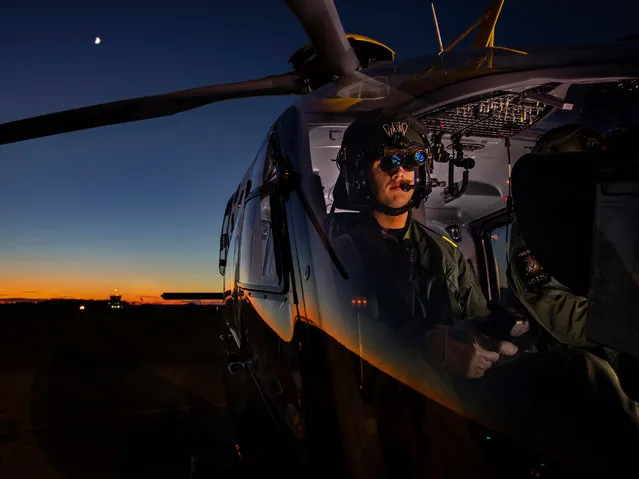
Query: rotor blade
[324,28]
[143,108]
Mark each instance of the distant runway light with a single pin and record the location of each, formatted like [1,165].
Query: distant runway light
[97,40]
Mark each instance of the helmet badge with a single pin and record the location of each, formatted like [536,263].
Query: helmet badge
[395,128]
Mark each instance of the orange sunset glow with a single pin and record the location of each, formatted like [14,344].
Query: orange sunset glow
[27,280]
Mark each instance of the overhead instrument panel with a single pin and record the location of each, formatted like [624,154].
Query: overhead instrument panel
[498,115]
[505,114]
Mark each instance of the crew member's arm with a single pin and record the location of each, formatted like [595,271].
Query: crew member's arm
[464,347]
[488,317]
[462,350]
[562,313]
[472,300]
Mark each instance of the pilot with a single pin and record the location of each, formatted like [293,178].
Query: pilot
[424,280]
[425,289]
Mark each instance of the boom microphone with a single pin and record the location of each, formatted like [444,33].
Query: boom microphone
[430,183]
[408,187]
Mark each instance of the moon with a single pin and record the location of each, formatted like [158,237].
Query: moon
[97,40]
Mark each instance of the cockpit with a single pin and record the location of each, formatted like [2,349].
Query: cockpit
[476,142]
[479,141]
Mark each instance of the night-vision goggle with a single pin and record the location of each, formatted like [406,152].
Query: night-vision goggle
[410,161]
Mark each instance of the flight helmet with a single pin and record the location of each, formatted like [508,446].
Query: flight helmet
[566,138]
[396,140]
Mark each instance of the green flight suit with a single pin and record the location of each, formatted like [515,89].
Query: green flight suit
[562,313]
[417,281]
[445,273]
[553,305]
[568,404]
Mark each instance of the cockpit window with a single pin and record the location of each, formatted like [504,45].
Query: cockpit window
[270,167]
[260,259]
[500,242]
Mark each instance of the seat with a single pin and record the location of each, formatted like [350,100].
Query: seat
[340,195]
[339,222]
[556,197]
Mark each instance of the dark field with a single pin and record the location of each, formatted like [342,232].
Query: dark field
[135,393]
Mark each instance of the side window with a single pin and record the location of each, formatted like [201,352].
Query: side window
[260,169]
[260,260]
[225,236]
[501,239]
[499,245]
[270,167]
[233,211]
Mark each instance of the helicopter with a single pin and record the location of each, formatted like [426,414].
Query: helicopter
[295,351]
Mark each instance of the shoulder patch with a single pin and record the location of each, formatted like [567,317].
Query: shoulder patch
[530,271]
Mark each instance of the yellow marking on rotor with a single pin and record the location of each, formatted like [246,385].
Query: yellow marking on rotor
[362,38]
[337,104]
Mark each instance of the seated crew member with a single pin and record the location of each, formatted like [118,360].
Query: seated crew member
[440,283]
[554,306]
[569,402]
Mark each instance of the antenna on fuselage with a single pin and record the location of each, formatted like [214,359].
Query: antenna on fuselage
[439,34]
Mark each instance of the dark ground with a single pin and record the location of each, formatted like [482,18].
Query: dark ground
[135,393]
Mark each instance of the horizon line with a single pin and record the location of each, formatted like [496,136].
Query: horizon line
[66,298]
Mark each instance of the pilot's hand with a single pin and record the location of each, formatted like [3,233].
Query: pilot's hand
[467,353]
[503,322]
[521,327]
[472,360]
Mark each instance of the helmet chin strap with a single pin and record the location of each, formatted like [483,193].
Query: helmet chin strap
[387,210]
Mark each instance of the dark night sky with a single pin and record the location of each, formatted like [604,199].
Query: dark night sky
[138,207]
